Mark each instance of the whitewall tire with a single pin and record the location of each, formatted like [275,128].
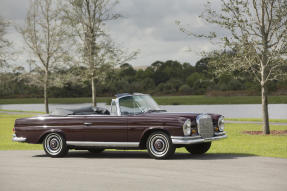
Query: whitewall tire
[55,145]
[159,145]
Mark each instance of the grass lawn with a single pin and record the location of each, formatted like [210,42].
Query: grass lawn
[162,100]
[256,120]
[53,100]
[236,143]
[206,100]
[22,111]
[6,131]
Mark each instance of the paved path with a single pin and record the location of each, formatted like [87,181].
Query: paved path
[80,170]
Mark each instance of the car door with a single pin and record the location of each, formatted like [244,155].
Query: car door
[105,128]
[72,126]
[137,121]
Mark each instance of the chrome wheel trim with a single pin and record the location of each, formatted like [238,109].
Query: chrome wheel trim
[159,145]
[53,144]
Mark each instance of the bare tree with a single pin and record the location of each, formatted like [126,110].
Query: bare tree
[257,39]
[87,19]
[5,55]
[4,43]
[44,35]
[108,56]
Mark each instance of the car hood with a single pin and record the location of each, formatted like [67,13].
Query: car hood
[191,116]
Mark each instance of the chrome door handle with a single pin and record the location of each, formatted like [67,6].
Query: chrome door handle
[86,123]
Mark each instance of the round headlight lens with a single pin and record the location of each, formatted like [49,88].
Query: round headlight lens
[187,127]
[221,123]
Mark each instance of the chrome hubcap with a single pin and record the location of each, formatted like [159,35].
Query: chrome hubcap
[159,145]
[53,144]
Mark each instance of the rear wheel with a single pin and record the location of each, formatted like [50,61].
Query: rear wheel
[159,145]
[96,150]
[55,145]
[198,149]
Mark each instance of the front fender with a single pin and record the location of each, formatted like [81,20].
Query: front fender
[152,129]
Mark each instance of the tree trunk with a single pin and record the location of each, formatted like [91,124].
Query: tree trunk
[266,129]
[94,92]
[46,92]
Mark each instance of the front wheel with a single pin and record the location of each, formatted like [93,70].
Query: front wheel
[198,149]
[55,145]
[159,145]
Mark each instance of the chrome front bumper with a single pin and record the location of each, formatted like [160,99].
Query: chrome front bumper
[181,140]
[18,139]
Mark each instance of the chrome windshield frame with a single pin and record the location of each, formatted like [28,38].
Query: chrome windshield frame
[117,101]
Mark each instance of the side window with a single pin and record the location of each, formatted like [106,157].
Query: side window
[114,108]
[128,106]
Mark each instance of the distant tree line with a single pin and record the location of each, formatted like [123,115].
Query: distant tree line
[160,78]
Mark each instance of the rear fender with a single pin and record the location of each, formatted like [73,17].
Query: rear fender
[43,135]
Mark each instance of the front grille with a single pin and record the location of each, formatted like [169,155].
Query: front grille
[205,126]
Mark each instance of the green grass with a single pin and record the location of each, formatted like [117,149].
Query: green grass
[22,111]
[256,120]
[201,100]
[236,143]
[6,132]
[53,100]
[162,100]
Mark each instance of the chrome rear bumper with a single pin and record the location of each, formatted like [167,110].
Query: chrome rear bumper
[181,140]
[18,139]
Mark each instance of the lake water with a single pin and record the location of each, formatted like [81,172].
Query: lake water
[276,111]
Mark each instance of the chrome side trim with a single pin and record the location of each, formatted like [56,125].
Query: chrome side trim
[185,137]
[103,144]
[18,139]
[193,140]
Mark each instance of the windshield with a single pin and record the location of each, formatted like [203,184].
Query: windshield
[136,104]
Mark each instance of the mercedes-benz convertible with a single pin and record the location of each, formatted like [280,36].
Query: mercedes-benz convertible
[133,121]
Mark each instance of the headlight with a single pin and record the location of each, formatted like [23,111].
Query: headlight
[187,127]
[221,123]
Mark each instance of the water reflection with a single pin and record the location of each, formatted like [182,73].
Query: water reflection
[276,111]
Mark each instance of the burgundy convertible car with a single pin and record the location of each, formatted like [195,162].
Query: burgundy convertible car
[134,121]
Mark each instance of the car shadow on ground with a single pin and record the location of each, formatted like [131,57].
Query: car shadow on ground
[144,155]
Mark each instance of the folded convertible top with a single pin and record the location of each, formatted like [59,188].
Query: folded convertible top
[81,111]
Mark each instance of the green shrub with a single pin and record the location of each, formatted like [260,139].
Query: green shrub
[185,89]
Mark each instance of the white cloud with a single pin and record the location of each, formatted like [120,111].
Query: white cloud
[148,26]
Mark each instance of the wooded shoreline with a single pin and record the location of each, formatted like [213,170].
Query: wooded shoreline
[161,100]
